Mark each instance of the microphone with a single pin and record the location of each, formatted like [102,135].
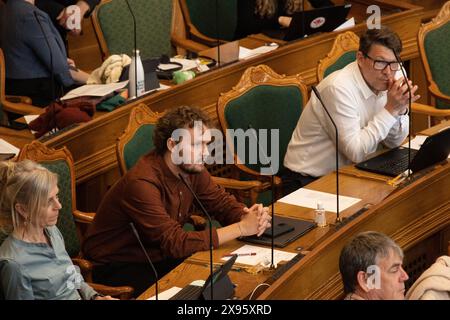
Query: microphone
[52,75]
[136,234]
[197,200]
[272,177]
[338,218]
[397,57]
[135,48]
[217,33]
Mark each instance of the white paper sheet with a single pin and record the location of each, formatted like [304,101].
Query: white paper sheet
[417,142]
[263,255]
[347,24]
[6,147]
[95,90]
[167,294]
[245,53]
[309,198]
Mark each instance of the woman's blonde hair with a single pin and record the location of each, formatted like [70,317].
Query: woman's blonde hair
[268,8]
[28,184]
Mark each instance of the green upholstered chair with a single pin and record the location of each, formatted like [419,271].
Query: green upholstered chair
[262,99]
[202,25]
[342,53]
[434,48]
[137,139]
[13,104]
[71,222]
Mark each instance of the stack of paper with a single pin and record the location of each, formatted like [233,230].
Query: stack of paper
[6,147]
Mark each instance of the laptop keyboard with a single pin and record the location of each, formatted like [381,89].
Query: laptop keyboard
[189,292]
[392,163]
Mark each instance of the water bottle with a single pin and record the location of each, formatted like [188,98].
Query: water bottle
[320,217]
[140,76]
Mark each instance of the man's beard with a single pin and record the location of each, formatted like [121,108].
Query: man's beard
[192,169]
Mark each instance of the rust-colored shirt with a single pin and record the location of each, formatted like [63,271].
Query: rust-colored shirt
[159,204]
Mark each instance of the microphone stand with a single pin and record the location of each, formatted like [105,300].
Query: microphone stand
[272,183]
[217,33]
[409,110]
[148,258]
[135,49]
[338,218]
[211,247]
[53,128]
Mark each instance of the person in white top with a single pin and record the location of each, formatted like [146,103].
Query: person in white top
[368,100]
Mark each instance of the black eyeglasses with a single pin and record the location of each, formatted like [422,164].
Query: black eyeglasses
[381,65]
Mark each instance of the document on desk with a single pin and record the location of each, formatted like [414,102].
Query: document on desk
[6,147]
[309,198]
[95,90]
[167,294]
[245,53]
[262,255]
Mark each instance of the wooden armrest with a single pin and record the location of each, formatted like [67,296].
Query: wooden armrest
[199,37]
[123,293]
[237,184]
[86,268]
[188,44]
[434,90]
[19,99]
[21,108]
[429,110]
[84,217]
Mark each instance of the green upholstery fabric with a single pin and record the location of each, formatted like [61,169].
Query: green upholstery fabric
[153,21]
[203,17]
[66,222]
[343,60]
[437,48]
[267,107]
[140,144]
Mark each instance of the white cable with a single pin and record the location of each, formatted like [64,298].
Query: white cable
[259,285]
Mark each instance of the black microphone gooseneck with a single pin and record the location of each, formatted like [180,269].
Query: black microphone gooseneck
[303,18]
[52,75]
[217,33]
[272,183]
[409,109]
[211,247]
[338,218]
[136,234]
[135,48]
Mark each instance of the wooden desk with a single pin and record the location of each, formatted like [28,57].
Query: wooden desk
[410,214]
[93,144]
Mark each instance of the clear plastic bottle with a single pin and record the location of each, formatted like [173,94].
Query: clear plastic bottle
[140,77]
[320,217]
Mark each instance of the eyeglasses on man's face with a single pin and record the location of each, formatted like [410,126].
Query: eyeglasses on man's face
[381,65]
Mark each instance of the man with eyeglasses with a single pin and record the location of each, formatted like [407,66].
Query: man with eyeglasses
[368,100]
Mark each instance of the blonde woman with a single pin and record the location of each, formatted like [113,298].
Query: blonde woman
[255,16]
[34,263]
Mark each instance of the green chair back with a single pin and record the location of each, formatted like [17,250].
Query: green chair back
[437,49]
[66,223]
[266,107]
[140,144]
[153,22]
[343,60]
[203,16]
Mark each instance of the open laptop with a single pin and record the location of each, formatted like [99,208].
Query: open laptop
[311,21]
[223,288]
[435,149]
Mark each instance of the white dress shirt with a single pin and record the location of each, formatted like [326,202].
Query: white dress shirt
[360,116]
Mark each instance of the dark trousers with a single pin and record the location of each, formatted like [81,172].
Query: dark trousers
[140,276]
[294,180]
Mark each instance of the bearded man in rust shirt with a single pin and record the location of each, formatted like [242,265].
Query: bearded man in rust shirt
[153,197]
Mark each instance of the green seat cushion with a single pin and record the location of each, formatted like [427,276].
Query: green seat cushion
[437,48]
[265,107]
[340,63]
[153,22]
[140,144]
[203,17]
